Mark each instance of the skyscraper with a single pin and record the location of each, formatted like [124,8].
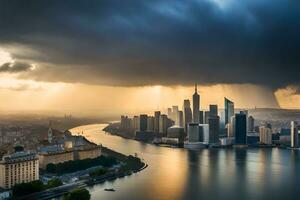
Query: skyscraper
[231,130]
[136,123]
[250,124]
[201,117]
[229,110]
[150,123]
[156,121]
[214,129]
[204,133]
[180,119]
[163,124]
[206,116]
[187,112]
[196,106]
[213,109]
[294,134]
[174,114]
[193,132]
[240,129]
[169,112]
[143,122]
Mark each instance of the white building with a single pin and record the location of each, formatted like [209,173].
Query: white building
[204,129]
[294,134]
[265,135]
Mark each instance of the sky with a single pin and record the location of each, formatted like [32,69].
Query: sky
[114,56]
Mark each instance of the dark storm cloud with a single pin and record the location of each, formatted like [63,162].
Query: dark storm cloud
[140,42]
[15,67]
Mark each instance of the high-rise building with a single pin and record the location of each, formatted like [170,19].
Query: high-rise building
[187,112]
[265,135]
[240,129]
[174,114]
[294,134]
[136,123]
[19,167]
[180,119]
[196,106]
[213,110]
[222,120]
[163,124]
[204,133]
[201,117]
[229,110]
[214,129]
[150,123]
[206,116]
[193,132]
[229,129]
[250,124]
[126,123]
[232,127]
[143,122]
[156,121]
[169,112]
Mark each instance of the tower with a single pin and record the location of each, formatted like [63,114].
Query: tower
[294,134]
[196,106]
[187,113]
[229,110]
[50,133]
[240,129]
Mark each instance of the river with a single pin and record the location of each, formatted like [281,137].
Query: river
[180,174]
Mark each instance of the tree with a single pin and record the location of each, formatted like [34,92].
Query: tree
[78,194]
[28,188]
[55,182]
[98,172]
[51,168]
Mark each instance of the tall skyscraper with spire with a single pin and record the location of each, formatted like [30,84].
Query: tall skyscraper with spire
[196,106]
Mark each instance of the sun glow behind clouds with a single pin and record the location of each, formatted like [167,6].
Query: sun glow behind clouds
[5,57]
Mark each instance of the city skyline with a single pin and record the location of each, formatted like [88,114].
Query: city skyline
[150,99]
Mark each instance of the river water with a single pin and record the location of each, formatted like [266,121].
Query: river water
[177,174]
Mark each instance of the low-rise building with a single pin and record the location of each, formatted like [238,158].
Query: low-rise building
[46,158]
[70,148]
[87,152]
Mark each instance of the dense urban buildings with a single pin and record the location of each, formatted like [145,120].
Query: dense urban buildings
[208,128]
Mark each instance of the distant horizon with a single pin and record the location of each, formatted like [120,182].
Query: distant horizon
[60,113]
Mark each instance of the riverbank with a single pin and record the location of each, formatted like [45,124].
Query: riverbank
[126,165]
[155,139]
[114,129]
